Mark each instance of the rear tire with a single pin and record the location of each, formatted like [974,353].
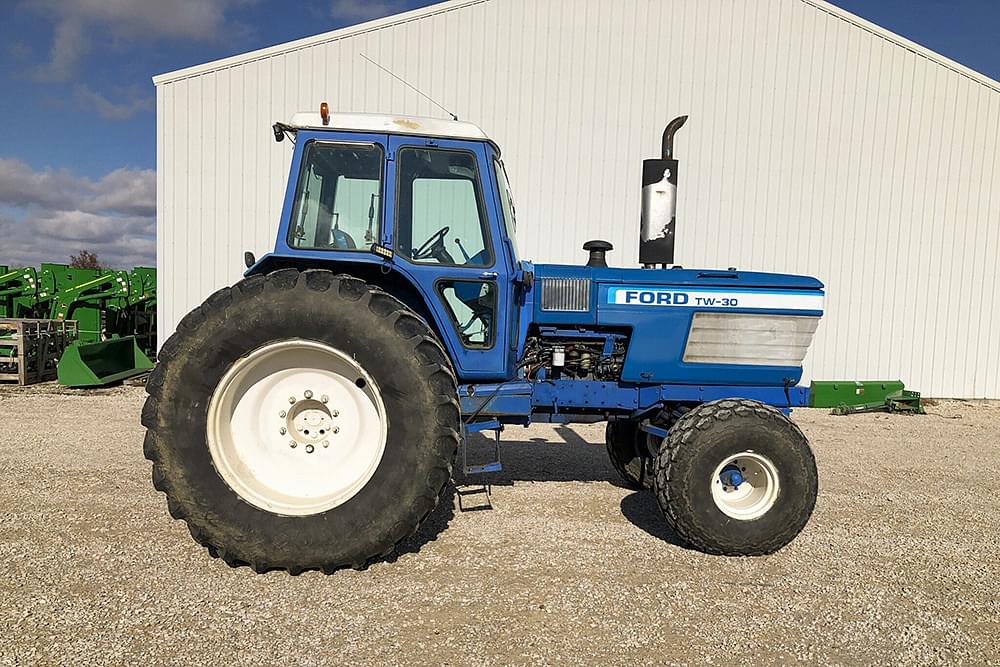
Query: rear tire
[203,446]
[756,513]
[624,440]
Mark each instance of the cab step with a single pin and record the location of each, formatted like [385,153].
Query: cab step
[479,427]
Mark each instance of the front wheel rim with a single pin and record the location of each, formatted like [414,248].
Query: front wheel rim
[745,486]
[296,427]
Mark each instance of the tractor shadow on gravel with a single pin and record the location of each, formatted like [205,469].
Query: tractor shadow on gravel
[574,459]
[435,523]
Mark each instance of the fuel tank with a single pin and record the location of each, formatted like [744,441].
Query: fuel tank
[690,326]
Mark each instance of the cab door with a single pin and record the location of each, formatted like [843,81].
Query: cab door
[446,236]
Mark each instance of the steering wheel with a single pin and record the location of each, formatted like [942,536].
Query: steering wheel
[433,246]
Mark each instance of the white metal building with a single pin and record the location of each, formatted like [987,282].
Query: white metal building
[818,143]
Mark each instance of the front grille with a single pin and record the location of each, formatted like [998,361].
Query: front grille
[566,294]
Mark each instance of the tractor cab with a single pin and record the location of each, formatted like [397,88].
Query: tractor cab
[423,198]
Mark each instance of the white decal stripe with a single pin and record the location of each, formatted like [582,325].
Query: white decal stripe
[715,299]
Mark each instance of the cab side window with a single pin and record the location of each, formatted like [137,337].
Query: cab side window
[440,215]
[472,306]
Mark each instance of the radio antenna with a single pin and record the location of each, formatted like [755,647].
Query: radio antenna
[410,86]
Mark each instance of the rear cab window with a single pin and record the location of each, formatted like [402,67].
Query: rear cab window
[337,198]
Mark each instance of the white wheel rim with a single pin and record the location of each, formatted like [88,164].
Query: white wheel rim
[296,427]
[750,497]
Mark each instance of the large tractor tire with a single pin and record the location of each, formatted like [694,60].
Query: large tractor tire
[736,477]
[622,437]
[301,420]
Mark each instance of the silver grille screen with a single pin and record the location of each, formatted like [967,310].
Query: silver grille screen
[743,338]
[566,294]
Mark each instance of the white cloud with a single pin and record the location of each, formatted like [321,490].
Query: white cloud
[81,23]
[68,46]
[126,191]
[46,215]
[20,186]
[133,102]
[364,10]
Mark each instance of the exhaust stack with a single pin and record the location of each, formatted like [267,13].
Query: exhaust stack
[659,202]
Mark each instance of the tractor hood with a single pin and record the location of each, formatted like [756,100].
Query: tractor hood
[679,276]
[700,326]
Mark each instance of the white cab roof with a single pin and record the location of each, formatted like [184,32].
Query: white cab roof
[389,124]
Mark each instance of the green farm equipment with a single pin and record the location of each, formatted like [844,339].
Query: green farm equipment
[112,311]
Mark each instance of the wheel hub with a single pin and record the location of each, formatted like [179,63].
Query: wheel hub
[745,486]
[310,422]
[731,476]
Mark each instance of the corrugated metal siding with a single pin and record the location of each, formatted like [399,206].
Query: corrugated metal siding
[817,144]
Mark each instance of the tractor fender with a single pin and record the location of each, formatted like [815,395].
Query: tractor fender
[394,282]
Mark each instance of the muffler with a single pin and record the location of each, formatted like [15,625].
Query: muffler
[659,202]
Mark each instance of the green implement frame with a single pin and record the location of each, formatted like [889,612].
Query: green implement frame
[19,294]
[902,401]
[848,397]
[831,393]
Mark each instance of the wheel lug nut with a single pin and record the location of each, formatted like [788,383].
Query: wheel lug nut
[293,444]
[336,413]
[309,449]
[326,443]
[283,431]
[282,413]
[325,398]
[291,399]
[308,393]
[336,429]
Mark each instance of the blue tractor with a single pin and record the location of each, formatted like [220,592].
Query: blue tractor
[308,417]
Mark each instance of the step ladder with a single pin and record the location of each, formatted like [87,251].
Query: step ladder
[478,469]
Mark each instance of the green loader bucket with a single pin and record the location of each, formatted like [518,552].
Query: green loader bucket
[96,364]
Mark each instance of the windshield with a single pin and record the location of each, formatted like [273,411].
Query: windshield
[507,204]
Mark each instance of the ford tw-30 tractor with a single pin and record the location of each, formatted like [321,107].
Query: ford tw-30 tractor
[308,417]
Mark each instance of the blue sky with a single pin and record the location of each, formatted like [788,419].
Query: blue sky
[77,144]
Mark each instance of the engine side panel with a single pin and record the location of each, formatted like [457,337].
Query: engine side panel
[661,320]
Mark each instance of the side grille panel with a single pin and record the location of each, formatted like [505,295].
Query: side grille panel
[566,294]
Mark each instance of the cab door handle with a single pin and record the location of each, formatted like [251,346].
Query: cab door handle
[489,275]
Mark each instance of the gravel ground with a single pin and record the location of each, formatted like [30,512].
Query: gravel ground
[898,565]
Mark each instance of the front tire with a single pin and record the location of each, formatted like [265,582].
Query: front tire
[736,477]
[301,420]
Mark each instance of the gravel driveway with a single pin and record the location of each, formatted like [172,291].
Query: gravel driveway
[900,563]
